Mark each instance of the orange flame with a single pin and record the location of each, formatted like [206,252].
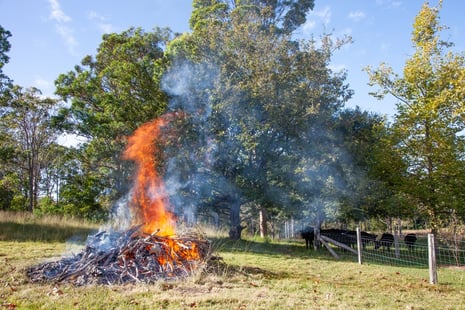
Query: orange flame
[149,194]
[177,252]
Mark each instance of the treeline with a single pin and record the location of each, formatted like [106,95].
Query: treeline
[262,133]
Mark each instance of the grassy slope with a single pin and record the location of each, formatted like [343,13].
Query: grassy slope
[256,275]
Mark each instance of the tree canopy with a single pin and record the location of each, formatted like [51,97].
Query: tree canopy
[430,119]
[4,58]
[258,130]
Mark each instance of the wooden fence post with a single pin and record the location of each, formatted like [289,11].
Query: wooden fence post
[433,273]
[359,245]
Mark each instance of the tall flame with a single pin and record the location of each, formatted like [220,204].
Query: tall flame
[149,194]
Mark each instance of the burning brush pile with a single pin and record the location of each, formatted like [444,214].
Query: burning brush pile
[126,257]
[144,253]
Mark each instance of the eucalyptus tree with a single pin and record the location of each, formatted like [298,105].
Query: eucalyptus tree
[283,17]
[108,97]
[430,118]
[25,125]
[4,58]
[270,94]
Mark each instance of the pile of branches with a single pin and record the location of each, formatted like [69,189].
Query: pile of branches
[126,257]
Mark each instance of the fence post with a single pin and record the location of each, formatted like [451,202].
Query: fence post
[433,273]
[359,245]
[396,243]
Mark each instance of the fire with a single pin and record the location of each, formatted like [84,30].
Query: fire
[177,252]
[149,193]
[144,254]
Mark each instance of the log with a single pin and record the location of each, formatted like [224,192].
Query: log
[329,248]
[341,245]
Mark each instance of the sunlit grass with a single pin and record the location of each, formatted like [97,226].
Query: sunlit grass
[24,226]
[256,274]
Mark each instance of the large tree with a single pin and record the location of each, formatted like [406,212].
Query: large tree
[25,125]
[108,97]
[430,118]
[269,96]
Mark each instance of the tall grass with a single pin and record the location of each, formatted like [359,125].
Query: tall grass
[249,274]
[24,226]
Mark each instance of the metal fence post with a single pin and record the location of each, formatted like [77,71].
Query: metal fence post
[433,273]
[359,245]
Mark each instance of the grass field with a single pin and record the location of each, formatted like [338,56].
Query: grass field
[255,275]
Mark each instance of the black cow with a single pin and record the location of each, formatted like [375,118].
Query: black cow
[410,240]
[308,234]
[367,238]
[385,241]
[347,237]
[351,238]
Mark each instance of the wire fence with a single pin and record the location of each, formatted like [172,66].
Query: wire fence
[416,255]
[397,251]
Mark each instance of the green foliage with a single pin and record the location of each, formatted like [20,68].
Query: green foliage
[430,119]
[27,139]
[271,99]
[47,206]
[110,96]
[282,16]
[4,58]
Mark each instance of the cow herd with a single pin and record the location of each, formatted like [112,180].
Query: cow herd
[349,238]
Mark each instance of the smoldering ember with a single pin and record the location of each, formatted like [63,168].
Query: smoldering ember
[144,252]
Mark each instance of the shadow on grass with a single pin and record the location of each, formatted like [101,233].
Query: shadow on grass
[11,231]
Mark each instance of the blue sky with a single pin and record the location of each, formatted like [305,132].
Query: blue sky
[49,37]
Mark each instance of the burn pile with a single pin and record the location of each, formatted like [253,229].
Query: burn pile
[144,253]
[126,257]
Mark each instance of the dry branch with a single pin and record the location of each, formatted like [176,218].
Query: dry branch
[128,257]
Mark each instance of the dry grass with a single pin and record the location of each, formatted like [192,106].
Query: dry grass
[25,226]
[254,275]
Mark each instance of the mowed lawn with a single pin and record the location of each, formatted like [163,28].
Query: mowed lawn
[252,274]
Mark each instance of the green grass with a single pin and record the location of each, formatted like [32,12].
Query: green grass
[255,275]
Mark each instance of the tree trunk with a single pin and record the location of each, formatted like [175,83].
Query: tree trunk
[31,186]
[263,222]
[235,221]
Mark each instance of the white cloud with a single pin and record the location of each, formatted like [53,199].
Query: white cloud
[67,35]
[389,3]
[356,15]
[94,15]
[61,19]
[42,83]
[309,26]
[56,13]
[324,15]
[104,26]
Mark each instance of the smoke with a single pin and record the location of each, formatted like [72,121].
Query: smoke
[189,170]
[120,217]
[312,179]
[188,86]
[315,162]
